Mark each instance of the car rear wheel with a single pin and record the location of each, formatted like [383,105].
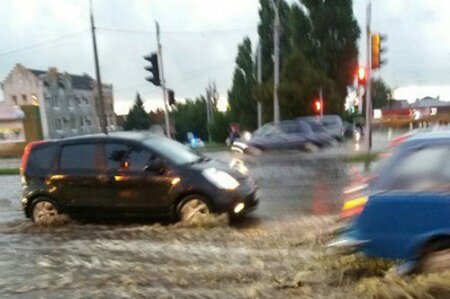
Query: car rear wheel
[437,258]
[44,211]
[193,206]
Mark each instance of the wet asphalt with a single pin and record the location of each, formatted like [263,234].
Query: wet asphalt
[298,193]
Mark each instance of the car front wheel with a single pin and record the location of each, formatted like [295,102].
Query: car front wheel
[193,206]
[437,258]
[44,211]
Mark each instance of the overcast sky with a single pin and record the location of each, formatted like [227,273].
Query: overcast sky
[199,40]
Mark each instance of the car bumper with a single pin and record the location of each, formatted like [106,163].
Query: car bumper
[238,202]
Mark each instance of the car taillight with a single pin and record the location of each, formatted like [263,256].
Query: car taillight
[26,154]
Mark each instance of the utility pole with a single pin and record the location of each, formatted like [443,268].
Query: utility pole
[276,63]
[259,75]
[100,101]
[368,133]
[209,94]
[321,102]
[163,81]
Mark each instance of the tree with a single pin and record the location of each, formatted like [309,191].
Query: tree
[137,118]
[240,97]
[335,34]
[190,116]
[300,85]
[265,32]
[381,93]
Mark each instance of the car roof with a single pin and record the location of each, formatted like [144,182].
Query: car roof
[429,137]
[122,136]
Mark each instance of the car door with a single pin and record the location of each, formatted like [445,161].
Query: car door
[78,177]
[131,187]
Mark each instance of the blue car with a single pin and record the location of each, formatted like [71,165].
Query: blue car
[410,221]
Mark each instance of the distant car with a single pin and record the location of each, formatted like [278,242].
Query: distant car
[409,217]
[291,134]
[318,129]
[129,174]
[334,126]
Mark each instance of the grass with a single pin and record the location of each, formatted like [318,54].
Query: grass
[362,158]
[213,147]
[9,171]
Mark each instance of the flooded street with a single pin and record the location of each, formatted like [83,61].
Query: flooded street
[150,260]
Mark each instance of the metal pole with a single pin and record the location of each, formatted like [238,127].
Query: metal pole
[101,104]
[163,81]
[259,75]
[208,110]
[368,130]
[276,64]
[321,102]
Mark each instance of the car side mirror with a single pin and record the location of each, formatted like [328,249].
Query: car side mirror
[155,165]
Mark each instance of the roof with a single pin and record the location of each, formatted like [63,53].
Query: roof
[78,81]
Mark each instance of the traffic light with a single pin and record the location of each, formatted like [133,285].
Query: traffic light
[377,50]
[171,96]
[362,76]
[153,69]
[317,106]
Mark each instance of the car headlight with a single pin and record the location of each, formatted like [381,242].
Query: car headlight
[220,178]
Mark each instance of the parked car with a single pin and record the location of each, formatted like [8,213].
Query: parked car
[409,220]
[290,134]
[318,129]
[334,126]
[129,174]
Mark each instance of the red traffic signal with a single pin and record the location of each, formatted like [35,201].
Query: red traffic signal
[317,106]
[362,75]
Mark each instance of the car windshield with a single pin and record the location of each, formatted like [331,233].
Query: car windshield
[172,150]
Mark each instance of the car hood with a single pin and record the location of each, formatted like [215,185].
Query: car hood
[219,165]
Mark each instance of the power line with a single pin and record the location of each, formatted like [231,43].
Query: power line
[191,74]
[230,30]
[42,44]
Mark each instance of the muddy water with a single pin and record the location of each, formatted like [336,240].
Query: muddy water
[209,260]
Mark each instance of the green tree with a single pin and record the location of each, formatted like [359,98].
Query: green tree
[381,93]
[190,116]
[137,118]
[335,34]
[300,84]
[219,127]
[265,32]
[240,97]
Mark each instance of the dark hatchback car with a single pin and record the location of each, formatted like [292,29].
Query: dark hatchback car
[129,174]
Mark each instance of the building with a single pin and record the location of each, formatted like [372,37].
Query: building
[67,102]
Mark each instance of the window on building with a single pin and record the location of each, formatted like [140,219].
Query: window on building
[73,123]
[81,121]
[85,100]
[34,100]
[54,101]
[24,98]
[14,99]
[88,122]
[58,124]
[77,100]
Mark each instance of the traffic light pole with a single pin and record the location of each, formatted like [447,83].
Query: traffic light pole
[259,73]
[368,130]
[276,63]
[100,100]
[163,82]
[321,102]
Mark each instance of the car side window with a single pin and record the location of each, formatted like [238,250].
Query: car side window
[78,157]
[421,170]
[137,159]
[114,154]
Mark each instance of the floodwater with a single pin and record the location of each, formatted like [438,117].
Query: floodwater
[211,259]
